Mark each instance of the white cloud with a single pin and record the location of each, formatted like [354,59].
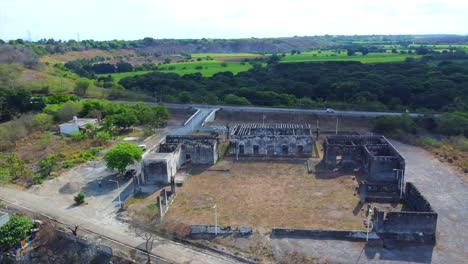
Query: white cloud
[132,19]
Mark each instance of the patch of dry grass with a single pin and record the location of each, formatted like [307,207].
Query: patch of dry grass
[266,194]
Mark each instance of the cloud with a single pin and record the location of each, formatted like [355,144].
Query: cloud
[133,19]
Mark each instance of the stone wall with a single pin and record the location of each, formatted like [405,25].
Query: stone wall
[271,145]
[417,222]
[211,232]
[349,235]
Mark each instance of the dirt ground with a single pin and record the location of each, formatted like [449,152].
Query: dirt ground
[265,194]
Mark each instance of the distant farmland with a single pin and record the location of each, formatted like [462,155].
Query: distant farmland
[334,56]
[223,55]
[206,68]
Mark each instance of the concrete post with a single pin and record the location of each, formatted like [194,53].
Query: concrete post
[173,186]
[161,214]
[165,197]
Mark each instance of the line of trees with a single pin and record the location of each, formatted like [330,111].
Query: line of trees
[414,84]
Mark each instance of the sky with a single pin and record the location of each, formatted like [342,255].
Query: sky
[136,19]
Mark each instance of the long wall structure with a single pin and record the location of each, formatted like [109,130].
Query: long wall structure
[269,140]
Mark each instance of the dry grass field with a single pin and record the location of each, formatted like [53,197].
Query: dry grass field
[266,194]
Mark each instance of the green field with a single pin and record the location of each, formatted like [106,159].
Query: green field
[118,76]
[334,56]
[206,68]
[224,55]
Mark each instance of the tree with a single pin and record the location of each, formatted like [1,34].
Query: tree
[68,110]
[146,227]
[79,198]
[17,229]
[124,119]
[124,67]
[185,97]
[48,164]
[81,86]
[122,155]
[42,121]
[350,52]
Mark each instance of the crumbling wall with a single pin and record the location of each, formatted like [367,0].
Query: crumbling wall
[211,232]
[417,222]
[271,145]
[415,201]
[199,149]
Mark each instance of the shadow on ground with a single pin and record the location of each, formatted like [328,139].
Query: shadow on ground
[417,254]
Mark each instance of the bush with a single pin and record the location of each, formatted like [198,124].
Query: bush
[428,141]
[392,124]
[79,135]
[79,198]
[236,100]
[42,121]
[103,137]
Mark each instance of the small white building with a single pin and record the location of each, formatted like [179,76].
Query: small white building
[4,218]
[76,124]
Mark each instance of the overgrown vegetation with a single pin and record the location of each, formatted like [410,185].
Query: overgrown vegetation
[445,135]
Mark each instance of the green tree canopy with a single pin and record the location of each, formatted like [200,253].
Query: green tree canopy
[185,97]
[17,229]
[122,155]
[82,85]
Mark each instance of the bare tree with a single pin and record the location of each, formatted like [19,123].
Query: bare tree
[146,228]
[74,230]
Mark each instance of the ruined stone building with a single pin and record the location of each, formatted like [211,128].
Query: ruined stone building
[381,177]
[271,140]
[381,166]
[161,164]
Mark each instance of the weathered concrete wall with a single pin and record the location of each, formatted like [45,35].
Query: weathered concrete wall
[416,222]
[373,155]
[200,149]
[272,145]
[349,235]
[210,232]
[415,201]
[162,166]
[200,153]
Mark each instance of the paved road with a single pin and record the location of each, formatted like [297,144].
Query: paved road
[88,218]
[287,110]
[448,195]
[194,123]
[292,110]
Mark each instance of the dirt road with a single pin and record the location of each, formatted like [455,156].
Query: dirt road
[91,220]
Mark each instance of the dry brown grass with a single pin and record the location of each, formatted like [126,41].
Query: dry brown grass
[266,194]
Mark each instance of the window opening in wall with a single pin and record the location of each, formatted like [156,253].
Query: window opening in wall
[256,149]
[284,150]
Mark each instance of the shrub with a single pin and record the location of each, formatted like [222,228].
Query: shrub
[103,137]
[429,141]
[79,198]
[79,135]
[42,121]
